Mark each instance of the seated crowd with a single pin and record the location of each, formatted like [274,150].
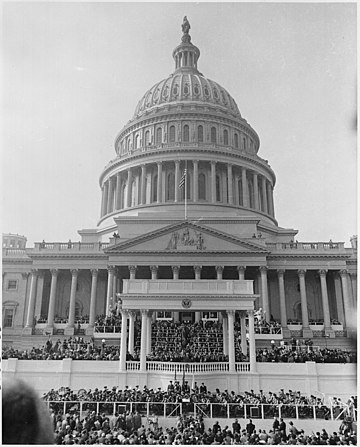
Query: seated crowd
[128,428]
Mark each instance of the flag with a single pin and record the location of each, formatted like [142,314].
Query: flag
[182,180]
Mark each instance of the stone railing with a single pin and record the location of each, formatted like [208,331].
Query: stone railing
[14,252]
[68,246]
[305,246]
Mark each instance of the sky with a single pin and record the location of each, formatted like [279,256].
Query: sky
[74,72]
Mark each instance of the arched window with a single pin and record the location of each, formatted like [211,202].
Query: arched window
[200,134]
[128,144]
[147,138]
[170,186]
[137,141]
[158,135]
[236,138]
[218,188]
[226,137]
[213,134]
[154,188]
[186,133]
[172,134]
[202,187]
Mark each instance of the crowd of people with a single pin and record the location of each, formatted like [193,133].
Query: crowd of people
[304,354]
[128,428]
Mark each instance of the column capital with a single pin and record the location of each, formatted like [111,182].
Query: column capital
[263,269]
[153,268]
[159,163]
[124,312]
[281,272]
[132,313]
[353,274]
[94,272]
[33,272]
[132,268]
[111,268]
[251,313]
[54,272]
[25,275]
[74,272]
[175,268]
[301,272]
[144,312]
[196,161]
[219,268]
[322,272]
[197,268]
[343,272]
[231,312]
[212,162]
[241,268]
[177,162]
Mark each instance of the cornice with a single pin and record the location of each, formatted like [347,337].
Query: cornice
[179,253]
[16,261]
[194,296]
[307,255]
[82,255]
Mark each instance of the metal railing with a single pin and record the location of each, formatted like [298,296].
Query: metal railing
[107,329]
[208,410]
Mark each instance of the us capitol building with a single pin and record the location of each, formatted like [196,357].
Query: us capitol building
[187,232]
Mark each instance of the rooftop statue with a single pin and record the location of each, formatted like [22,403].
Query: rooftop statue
[185,26]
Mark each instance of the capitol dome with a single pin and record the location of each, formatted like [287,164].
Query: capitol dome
[187,123]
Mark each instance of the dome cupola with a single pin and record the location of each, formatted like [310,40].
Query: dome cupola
[186,54]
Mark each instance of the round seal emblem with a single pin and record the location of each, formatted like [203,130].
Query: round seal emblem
[186,303]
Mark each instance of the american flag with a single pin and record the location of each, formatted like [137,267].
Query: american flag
[182,180]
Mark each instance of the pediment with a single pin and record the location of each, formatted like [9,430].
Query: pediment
[186,237]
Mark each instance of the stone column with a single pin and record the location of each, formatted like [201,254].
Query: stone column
[159,182]
[339,300]
[325,304]
[51,311]
[197,269]
[225,335]
[272,202]
[264,195]
[353,281]
[110,284]
[129,188]
[132,270]
[245,194]
[283,314]
[350,316]
[196,180]
[71,319]
[110,196]
[241,271]
[131,332]
[307,332]
[143,185]
[230,184]
[177,180]
[31,305]
[231,347]
[213,181]
[264,292]
[219,271]
[39,293]
[154,271]
[144,314]
[269,194]
[105,198]
[118,191]
[148,338]
[92,315]
[123,340]
[175,270]
[252,350]
[256,191]
[243,333]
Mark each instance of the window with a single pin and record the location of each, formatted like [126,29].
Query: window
[170,186]
[147,138]
[236,138]
[202,187]
[172,134]
[186,133]
[8,317]
[12,243]
[200,134]
[213,134]
[137,141]
[218,195]
[12,284]
[159,135]
[226,137]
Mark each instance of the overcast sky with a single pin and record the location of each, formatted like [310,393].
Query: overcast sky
[74,72]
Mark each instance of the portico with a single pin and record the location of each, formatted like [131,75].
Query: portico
[146,296]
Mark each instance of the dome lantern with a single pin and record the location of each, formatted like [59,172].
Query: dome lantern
[186,54]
